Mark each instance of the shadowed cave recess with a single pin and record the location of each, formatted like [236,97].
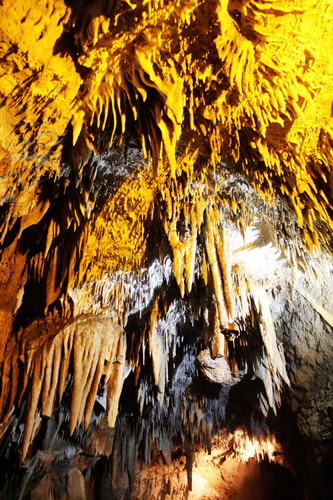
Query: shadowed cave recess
[166,279]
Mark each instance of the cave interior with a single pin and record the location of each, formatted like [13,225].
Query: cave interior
[166,239]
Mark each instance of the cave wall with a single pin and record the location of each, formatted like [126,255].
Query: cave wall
[306,323]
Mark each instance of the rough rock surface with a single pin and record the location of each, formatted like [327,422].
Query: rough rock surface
[215,370]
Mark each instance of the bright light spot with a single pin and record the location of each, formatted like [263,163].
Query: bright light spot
[255,248]
[246,447]
[199,484]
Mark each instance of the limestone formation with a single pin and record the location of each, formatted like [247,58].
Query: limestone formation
[166,233]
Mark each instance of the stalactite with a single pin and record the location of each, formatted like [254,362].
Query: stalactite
[115,382]
[215,271]
[273,369]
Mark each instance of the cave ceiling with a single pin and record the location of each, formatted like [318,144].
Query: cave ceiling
[140,142]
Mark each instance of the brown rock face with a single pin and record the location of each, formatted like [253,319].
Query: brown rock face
[165,249]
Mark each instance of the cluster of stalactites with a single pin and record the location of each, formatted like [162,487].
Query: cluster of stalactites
[201,253]
[189,82]
[232,88]
[96,348]
[158,478]
[246,96]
